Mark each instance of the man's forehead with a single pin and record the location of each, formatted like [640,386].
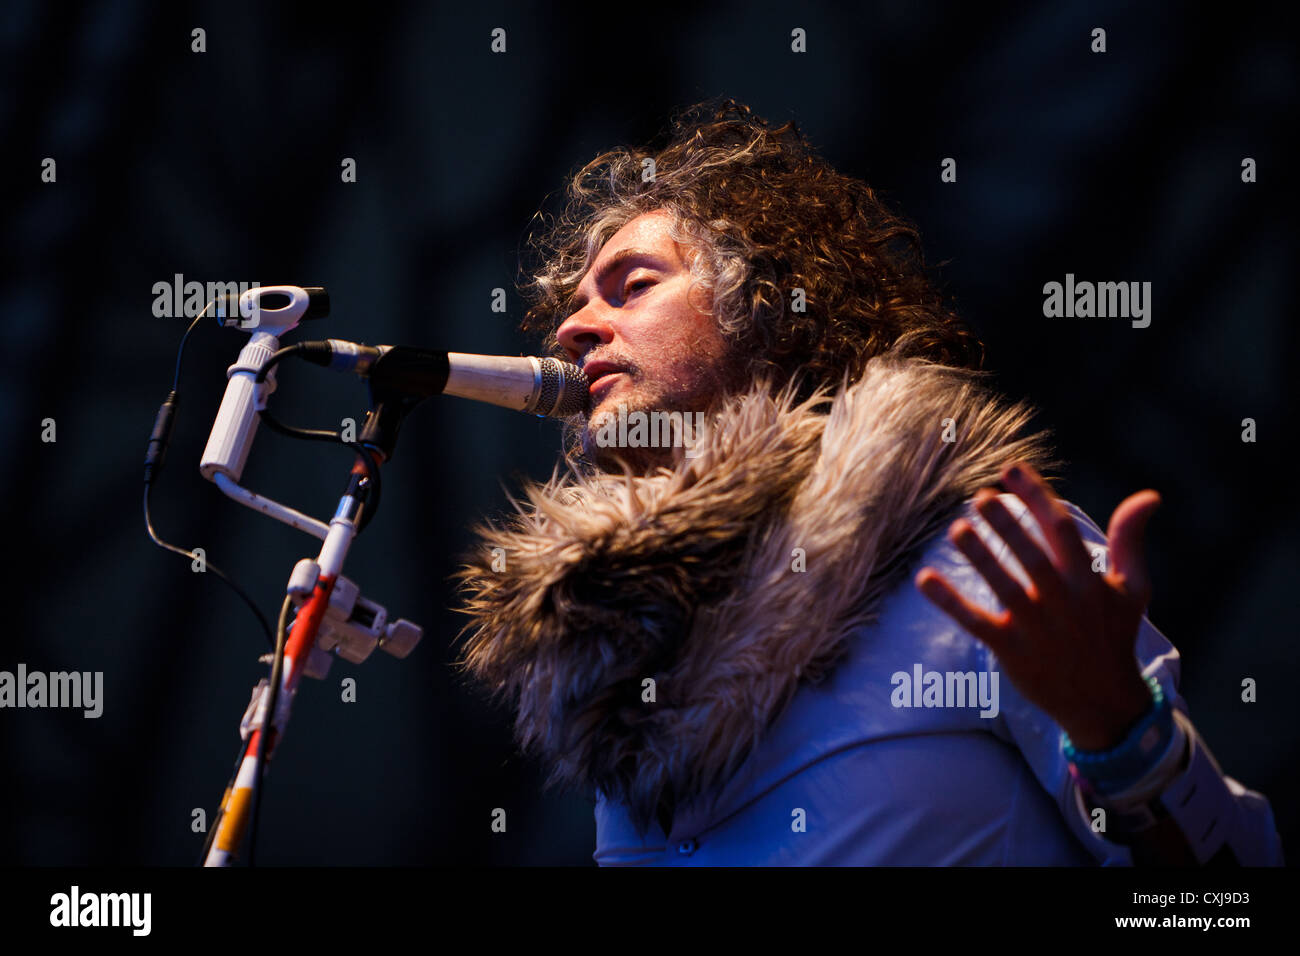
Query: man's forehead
[648,232]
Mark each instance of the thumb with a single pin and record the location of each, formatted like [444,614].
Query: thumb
[1127,534]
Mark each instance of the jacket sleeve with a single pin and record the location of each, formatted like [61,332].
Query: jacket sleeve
[1221,820]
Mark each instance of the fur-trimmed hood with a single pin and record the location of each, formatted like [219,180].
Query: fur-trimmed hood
[728,579]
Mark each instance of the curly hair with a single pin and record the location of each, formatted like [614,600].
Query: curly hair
[810,273]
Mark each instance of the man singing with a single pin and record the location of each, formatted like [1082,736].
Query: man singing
[848,622]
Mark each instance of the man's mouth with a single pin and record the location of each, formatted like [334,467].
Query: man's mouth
[600,375]
[602,385]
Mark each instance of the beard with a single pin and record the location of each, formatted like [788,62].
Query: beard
[698,385]
[628,403]
[608,439]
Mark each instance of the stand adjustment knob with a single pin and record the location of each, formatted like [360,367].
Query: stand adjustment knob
[400,637]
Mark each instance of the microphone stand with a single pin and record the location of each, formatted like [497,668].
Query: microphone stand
[316,582]
[333,619]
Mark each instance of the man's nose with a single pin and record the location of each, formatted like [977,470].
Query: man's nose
[583,331]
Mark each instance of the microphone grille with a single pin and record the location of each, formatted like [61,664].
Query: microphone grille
[563,389]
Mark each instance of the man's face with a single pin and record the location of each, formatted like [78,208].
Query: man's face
[645,342]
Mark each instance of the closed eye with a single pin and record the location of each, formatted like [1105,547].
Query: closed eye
[637,285]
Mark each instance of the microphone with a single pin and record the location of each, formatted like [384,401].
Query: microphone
[541,386]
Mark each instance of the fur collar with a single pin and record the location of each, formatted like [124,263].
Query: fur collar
[687,575]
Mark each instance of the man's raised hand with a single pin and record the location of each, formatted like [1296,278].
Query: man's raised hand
[1067,639]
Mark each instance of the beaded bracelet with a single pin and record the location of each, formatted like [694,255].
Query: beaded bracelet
[1111,771]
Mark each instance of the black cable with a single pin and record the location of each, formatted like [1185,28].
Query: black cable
[323,434]
[180,352]
[277,668]
[148,524]
[371,507]
[154,457]
[364,453]
[276,358]
[290,431]
[221,811]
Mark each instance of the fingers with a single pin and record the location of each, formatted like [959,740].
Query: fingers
[1040,569]
[1008,590]
[1127,534]
[1058,526]
[978,622]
